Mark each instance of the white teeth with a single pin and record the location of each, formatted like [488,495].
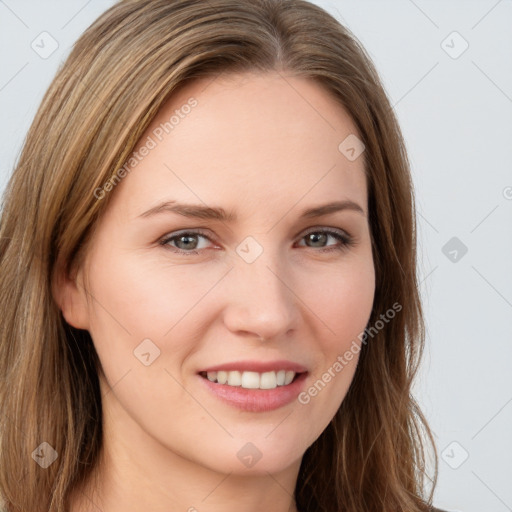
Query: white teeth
[222,377]
[252,380]
[268,380]
[288,377]
[234,378]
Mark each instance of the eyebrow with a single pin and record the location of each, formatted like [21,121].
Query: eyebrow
[216,213]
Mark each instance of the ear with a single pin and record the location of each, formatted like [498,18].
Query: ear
[70,296]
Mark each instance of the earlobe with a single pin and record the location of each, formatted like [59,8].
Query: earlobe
[69,295]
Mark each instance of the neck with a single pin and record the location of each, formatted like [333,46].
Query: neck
[128,489]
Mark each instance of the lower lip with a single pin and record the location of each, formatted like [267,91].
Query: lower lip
[257,400]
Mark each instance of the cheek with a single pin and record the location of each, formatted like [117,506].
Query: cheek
[148,298]
[136,301]
[341,297]
[144,308]
[342,302]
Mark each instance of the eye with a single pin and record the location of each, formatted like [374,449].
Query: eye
[187,242]
[321,235]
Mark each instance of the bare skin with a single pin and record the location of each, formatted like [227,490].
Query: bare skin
[264,147]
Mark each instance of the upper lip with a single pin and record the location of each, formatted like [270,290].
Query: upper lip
[257,366]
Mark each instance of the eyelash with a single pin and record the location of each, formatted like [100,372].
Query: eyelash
[347,240]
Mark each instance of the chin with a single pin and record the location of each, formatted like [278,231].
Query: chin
[256,455]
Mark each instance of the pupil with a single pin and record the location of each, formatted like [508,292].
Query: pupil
[315,237]
[186,237]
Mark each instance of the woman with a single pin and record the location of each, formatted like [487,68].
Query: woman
[208,273]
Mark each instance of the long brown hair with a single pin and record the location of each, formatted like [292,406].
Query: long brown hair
[372,456]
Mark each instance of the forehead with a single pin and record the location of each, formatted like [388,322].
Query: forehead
[240,139]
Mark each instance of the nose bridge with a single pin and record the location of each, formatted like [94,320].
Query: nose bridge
[259,299]
[263,277]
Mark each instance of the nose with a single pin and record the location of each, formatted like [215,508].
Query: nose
[259,300]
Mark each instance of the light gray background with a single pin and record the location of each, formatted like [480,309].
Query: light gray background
[456,116]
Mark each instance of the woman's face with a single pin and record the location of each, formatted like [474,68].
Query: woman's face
[205,266]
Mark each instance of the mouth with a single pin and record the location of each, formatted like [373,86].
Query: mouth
[255,391]
[252,380]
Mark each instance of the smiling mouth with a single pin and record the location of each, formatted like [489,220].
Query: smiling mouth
[252,380]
